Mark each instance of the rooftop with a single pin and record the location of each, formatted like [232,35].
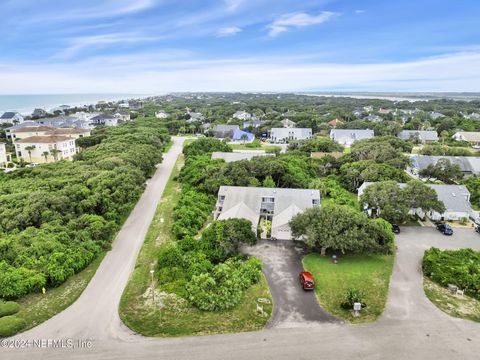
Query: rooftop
[51,139]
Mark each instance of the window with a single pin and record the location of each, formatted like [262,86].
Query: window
[315,202]
[268,199]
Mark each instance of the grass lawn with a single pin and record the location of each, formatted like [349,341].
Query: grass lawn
[347,150]
[265,147]
[176,317]
[36,308]
[463,307]
[370,273]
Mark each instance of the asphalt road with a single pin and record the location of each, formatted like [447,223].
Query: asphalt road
[411,327]
[293,307]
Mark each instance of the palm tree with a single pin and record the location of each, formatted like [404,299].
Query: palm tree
[29,150]
[46,153]
[244,137]
[55,153]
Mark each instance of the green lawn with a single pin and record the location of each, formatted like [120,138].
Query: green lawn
[265,147]
[463,307]
[370,273]
[176,317]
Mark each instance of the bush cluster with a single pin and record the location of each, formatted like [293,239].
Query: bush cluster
[457,267]
[56,218]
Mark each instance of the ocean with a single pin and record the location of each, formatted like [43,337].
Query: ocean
[25,104]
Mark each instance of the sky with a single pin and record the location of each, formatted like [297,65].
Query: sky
[158,46]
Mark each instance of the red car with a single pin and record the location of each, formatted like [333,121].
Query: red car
[306,280]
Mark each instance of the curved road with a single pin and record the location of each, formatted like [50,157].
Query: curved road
[411,327]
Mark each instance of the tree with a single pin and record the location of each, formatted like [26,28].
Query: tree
[45,154]
[420,196]
[268,182]
[341,228]
[443,170]
[244,138]
[29,150]
[55,153]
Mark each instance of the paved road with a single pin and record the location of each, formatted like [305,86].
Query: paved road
[411,328]
[293,307]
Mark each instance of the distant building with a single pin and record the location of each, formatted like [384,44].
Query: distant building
[280,135]
[41,149]
[4,156]
[8,131]
[456,199]
[469,165]
[237,156]
[335,122]
[223,131]
[254,122]
[347,137]
[243,136]
[469,136]
[278,205]
[39,113]
[320,154]
[384,111]
[287,123]
[435,115]
[104,120]
[195,117]
[421,136]
[135,104]
[242,115]
[122,116]
[161,115]
[26,132]
[11,117]
[373,118]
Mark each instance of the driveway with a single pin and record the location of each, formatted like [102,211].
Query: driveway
[293,307]
[411,327]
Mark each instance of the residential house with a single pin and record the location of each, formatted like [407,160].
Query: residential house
[8,131]
[25,132]
[195,117]
[347,137]
[122,116]
[422,136]
[472,116]
[243,136]
[280,135]
[123,105]
[287,123]
[469,165]
[278,205]
[456,199]
[289,113]
[470,136]
[238,155]
[373,118]
[320,154]
[161,115]
[35,148]
[435,115]
[358,113]
[254,122]
[335,122]
[11,117]
[242,115]
[222,131]
[74,133]
[135,104]
[4,156]
[384,111]
[39,113]
[104,120]
[368,109]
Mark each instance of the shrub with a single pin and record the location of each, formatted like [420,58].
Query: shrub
[8,308]
[457,267]
[353,296]
[10,325]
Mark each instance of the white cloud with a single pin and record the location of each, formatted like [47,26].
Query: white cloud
[288,21]
[232,4]
[228,31]
[159,73]
[359,11]
[80,43]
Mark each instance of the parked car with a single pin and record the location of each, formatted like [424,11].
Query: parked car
[445,229]
[306,280]
[395,229]
[477,229]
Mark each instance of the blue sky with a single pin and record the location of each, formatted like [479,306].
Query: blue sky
[155,46]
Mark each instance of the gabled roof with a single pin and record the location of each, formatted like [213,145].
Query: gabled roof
[8,115]
[68,131]
[472,136]
[33,129]
[353,134]
[469,164]
[237,156]
[225,127]
[423,135]
[284,217]
[103,117]
[44,139]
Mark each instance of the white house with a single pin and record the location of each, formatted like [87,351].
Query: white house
[423,136]
[239,155]
[280,135]
[161,115]
[122,115]
[25,132]
[456,199]
[287,123]
[275,204]
[469,165]
[11,117]
[4,157]
[41,149]
[347,137]
[471,136]
[242,115]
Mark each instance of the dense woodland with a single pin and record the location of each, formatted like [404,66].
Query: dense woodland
[56,218]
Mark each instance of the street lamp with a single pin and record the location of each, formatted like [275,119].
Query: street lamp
[153,290]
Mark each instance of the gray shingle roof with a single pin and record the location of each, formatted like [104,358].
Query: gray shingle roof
[237,156]
[350,135]
[468,164]
[422,135]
